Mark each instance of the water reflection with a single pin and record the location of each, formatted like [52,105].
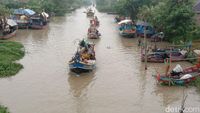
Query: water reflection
[79,84]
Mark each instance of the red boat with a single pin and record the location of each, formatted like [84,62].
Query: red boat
[183,77]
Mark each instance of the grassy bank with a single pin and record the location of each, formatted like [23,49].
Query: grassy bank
[3,109]
[10,52]
[197,83]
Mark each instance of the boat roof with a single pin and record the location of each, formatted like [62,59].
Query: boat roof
[125,21]
[21,11]
[11,22]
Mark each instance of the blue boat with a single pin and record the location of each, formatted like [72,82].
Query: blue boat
[127,28]
[84,59]
[140,25]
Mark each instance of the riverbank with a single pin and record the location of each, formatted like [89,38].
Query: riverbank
[10,53]
[3,109]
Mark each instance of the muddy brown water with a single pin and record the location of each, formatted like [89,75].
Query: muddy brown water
[119,84]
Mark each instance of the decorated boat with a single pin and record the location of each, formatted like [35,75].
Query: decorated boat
[8,28]
[84,59]
[127,28]
[93,33]
[179,76]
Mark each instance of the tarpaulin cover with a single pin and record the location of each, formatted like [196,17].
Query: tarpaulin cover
[27,12]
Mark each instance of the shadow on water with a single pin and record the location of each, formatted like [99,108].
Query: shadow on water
[80,83]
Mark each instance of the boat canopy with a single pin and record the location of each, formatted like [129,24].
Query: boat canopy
[11,22]
[27,12]
[125,22]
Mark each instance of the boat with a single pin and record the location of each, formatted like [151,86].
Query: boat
[127,28]
[90,12]
[94,22]
[172,81]
[84,59]
[22,17]
[161,56]
[180,76]
[39,21]
[93,33]
[10,29]
[140,25]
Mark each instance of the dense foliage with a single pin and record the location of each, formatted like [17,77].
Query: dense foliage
[9,53]
[3,109]
[174,17]
[59,7]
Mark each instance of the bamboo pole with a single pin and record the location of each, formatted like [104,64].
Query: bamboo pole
[145,41]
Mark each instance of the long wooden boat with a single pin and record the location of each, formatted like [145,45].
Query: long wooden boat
[176,78]
[177,81]
[84,59]
[161,57]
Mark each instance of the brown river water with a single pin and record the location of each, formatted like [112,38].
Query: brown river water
[119,84]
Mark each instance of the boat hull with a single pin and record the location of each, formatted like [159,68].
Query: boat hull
[38,26]
[171,81]
[9,35]
[127,34]
[81,67]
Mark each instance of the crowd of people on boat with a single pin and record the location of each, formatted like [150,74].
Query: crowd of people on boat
[85,52]
[93,32]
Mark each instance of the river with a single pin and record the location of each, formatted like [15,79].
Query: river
[119,84]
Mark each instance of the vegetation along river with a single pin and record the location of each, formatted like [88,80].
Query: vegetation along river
[119,84]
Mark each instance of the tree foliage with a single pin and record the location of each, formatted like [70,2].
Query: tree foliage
[59,7]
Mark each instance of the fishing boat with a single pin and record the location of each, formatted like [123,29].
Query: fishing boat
[9,29]
[141,25]
[179,81]
[84,59]
[22,17]
[179,76]
[93,33]
[161,56]
[90,12]
[39,21]
[127,28]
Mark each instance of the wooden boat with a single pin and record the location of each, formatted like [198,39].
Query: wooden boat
[177,77]
[93,33]
[178,81]
[90,13]
[140,25]
[22,17]
[9,31]
[127,28]
[160,57]
[38,21]
[84,59]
